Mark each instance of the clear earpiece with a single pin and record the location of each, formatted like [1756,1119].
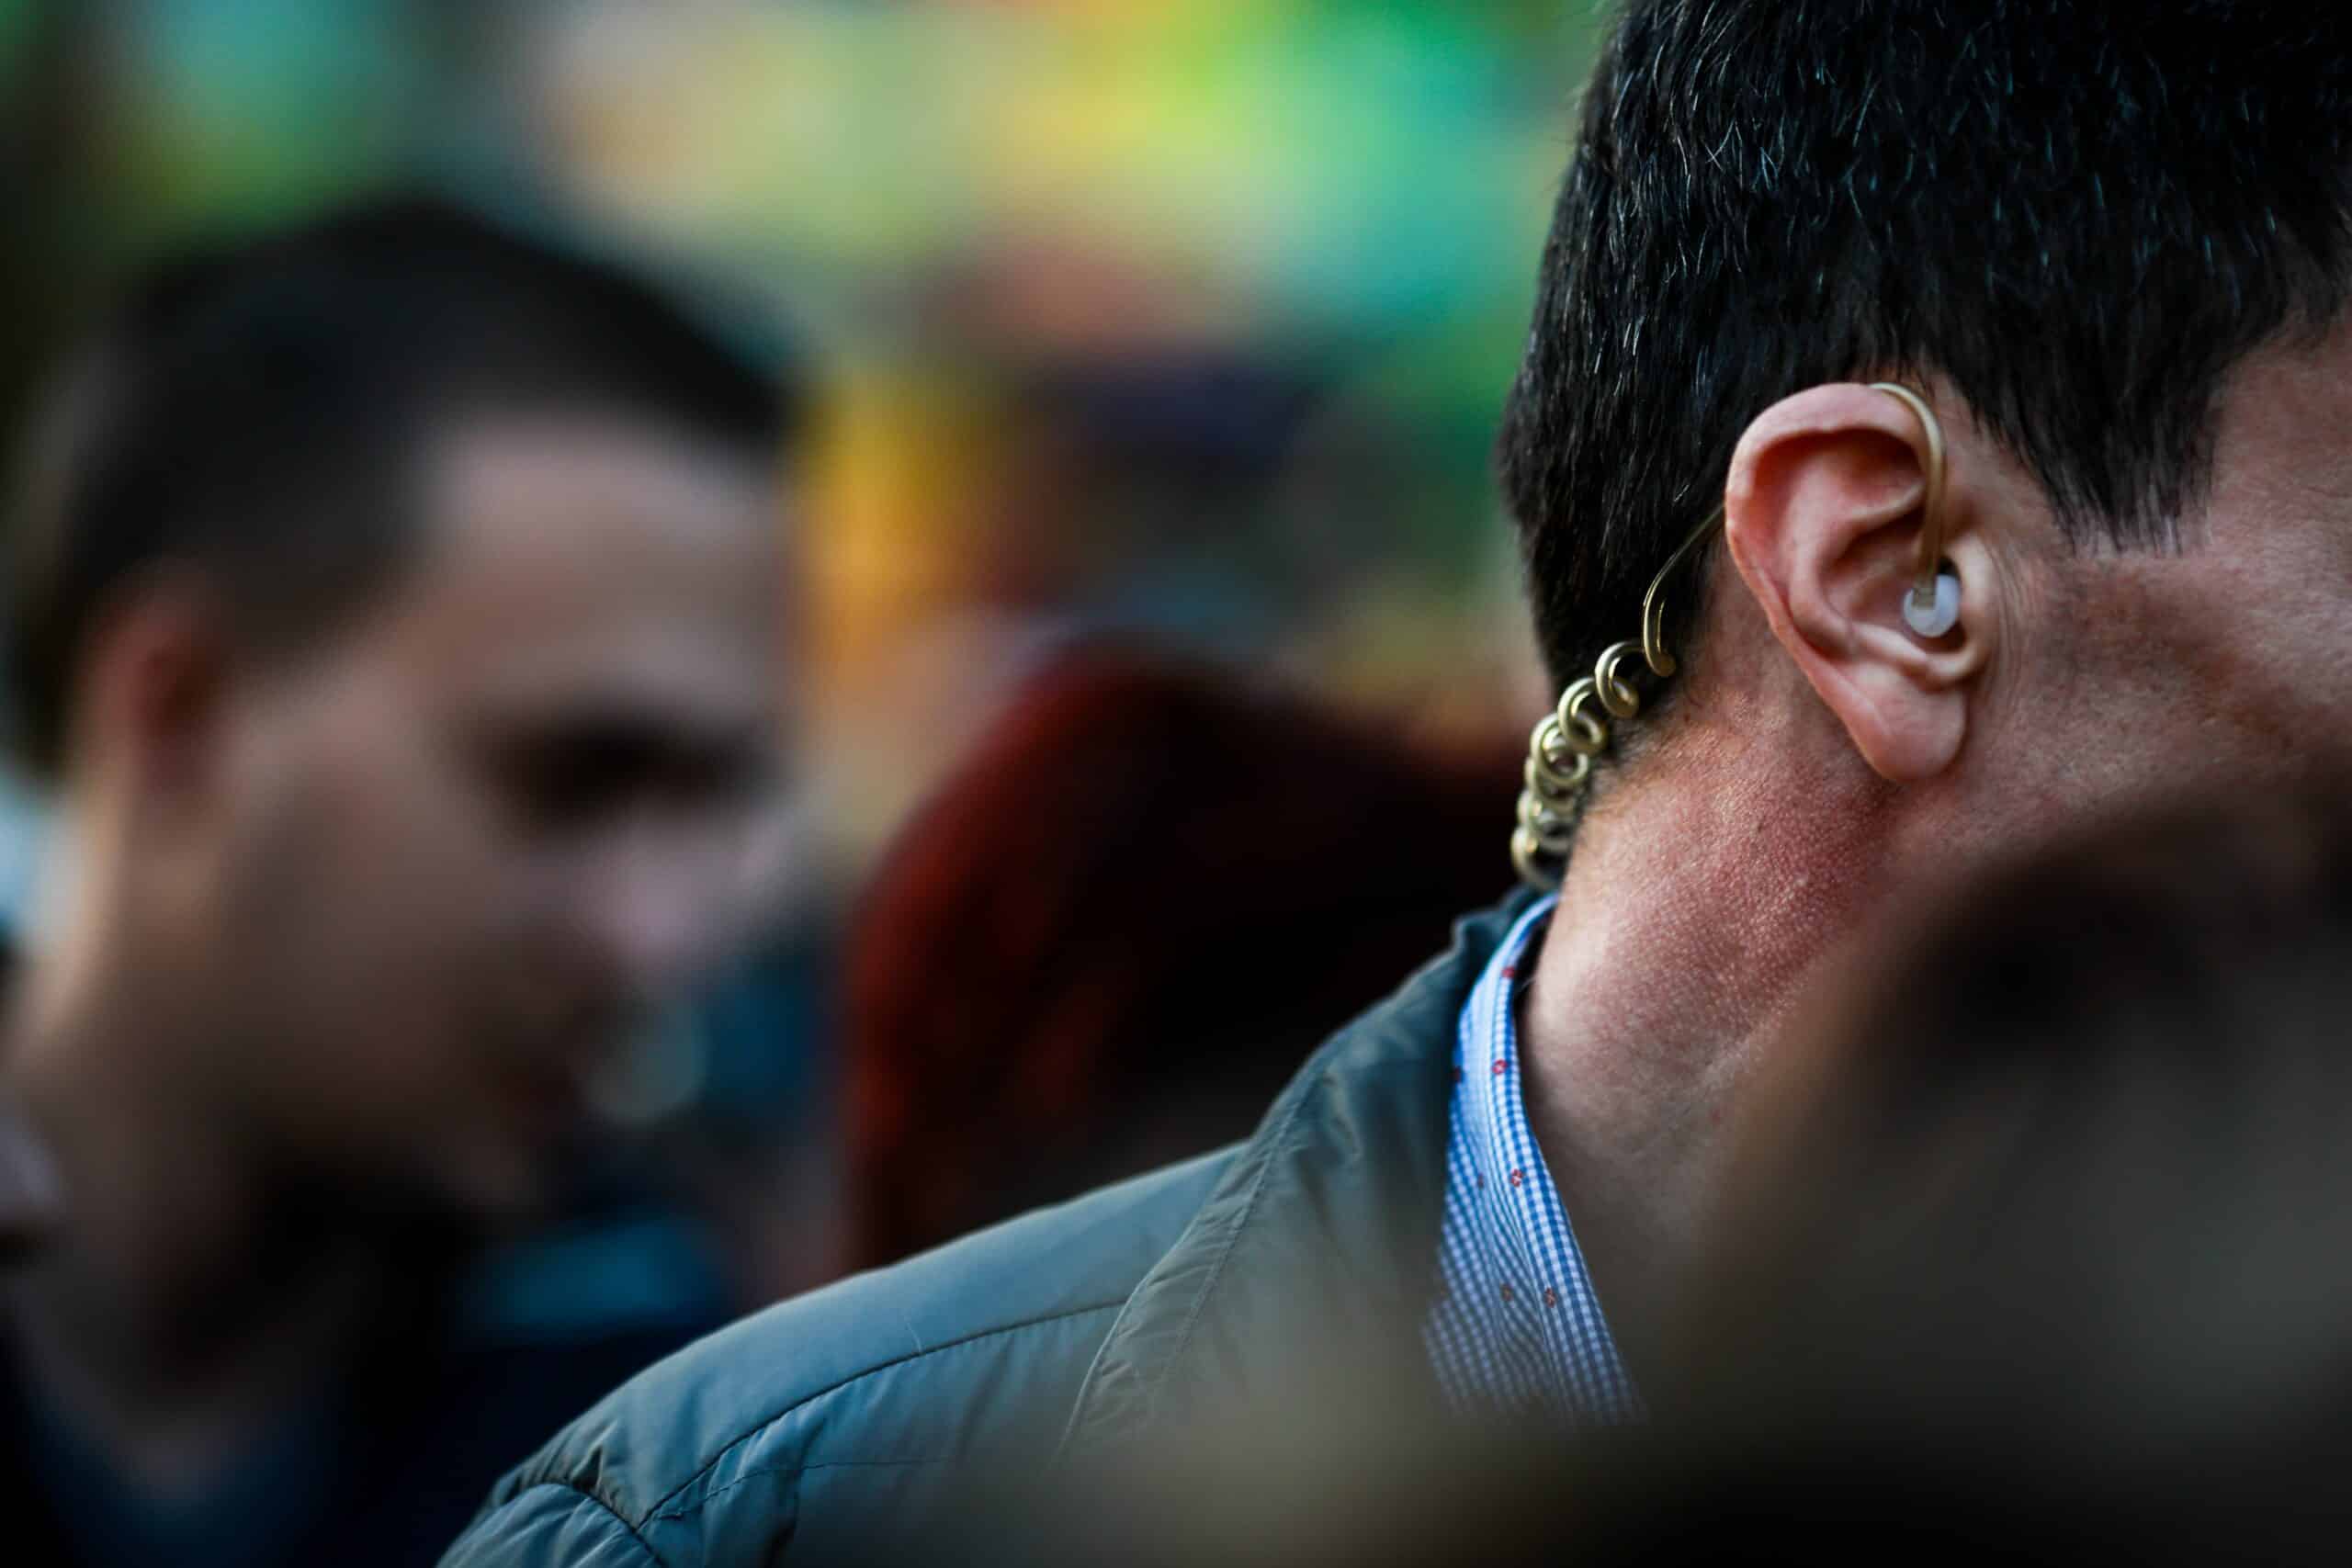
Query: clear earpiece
[1935,620]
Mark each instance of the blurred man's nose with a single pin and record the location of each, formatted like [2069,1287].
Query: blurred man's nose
[659,904]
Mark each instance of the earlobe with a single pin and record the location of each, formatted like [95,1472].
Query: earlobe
[1838,498]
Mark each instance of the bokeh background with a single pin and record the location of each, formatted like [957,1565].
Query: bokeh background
[1186,320]
[1185,315]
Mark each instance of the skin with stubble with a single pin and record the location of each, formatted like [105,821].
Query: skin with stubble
[336,936]
[1823,770]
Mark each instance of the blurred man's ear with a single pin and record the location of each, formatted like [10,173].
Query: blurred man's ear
[1822,515]
[155,686]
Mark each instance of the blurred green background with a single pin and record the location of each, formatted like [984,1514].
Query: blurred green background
[1189,318]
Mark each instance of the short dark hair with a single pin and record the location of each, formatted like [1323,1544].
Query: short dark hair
[255,410]
[2081,215]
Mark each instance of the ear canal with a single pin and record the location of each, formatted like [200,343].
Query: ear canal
[1934,618]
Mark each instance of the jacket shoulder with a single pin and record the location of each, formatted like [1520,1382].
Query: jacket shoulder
[874,1386]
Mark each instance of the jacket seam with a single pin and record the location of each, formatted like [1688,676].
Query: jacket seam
[660,1508]
[590,1497]
[798,1471]
[1215,1276]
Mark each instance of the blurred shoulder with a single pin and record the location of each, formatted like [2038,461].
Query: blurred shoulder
[860,1397]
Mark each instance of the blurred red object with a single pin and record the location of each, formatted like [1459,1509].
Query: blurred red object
[1124,921]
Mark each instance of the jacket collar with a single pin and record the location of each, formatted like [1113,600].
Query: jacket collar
[1313,1260]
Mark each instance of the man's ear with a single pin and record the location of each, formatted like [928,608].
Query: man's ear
[1822,515]
[154,692]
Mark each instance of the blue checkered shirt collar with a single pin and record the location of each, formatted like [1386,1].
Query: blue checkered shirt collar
[1517,1327]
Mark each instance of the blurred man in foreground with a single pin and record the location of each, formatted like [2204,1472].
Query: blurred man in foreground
[394,618]
[2047,1252]
[2092,538]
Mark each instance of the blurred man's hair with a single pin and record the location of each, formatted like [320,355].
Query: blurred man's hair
[257,411]
[2082,216]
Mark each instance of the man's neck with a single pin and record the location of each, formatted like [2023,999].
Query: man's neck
[1691,919]
[178,1316]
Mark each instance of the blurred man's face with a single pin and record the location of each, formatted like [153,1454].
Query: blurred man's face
[469,841]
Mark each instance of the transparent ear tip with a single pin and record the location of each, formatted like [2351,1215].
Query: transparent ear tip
[1935,620]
